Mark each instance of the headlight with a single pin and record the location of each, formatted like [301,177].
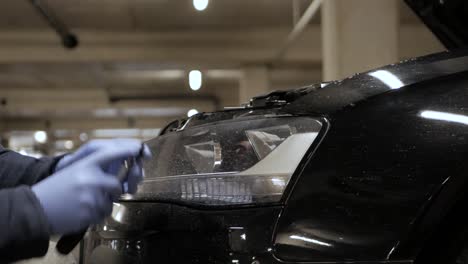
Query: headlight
[228,163]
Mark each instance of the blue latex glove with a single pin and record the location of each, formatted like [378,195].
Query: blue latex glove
[135,175]
[82,193]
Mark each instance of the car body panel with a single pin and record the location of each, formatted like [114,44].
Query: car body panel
[166,233]
[359,198]
[339,94]
[377,169]
[446,18]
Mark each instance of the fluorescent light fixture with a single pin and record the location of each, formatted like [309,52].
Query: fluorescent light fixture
[192,112]
[195,80]
[224,74]
[310,240]
[153,111]
[445,116]
[68,144]
[125,133]
[105,112]
[150,133]
[84,137]
[40,137]
[200,5]
[63,133]
[388,78]
[116,133]
[153,74]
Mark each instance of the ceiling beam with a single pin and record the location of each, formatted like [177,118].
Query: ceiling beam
[215,48]
[46,102]
[298,28]
[82,124]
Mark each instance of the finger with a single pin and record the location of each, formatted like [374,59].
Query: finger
[147,154]
[89,148]
[81,153]
[109,207]
[114,167]
[105,157]
[89,210]
[125,187]
[101,201]
[124,141]
[96,145]
[103,182]
[105,203]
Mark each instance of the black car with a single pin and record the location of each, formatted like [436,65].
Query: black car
[370,169]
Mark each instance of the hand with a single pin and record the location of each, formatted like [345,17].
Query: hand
[82,193]
[135,175]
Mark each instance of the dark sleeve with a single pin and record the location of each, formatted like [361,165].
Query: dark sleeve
[16,169]
[24,230]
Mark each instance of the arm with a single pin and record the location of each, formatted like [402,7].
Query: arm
[24,227]
[16,169]
[78,194]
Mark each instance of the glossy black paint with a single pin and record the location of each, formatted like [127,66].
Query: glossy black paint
[164,233]
[374,174]
[339,94]
[446,18]
[381,181]
[150,232]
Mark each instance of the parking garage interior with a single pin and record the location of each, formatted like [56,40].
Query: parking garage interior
[138,65]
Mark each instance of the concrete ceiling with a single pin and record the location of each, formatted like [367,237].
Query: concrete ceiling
[157,15]
[144,15]
[131,67]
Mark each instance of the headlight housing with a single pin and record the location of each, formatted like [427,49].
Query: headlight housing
[227,163]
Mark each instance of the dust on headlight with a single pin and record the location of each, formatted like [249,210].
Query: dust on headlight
[228,163]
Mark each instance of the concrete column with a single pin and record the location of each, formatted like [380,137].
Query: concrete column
[4,140]
[3,136]
[358,35]
[255,81]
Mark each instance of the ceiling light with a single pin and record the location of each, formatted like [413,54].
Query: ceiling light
[83,137]
[192,112]
[68,144]
[195,80]
[200,5]
[40,137]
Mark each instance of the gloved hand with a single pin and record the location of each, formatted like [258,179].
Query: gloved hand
[82,193]
[135,174]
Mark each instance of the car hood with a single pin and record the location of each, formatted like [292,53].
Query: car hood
[447,19]
[324,99]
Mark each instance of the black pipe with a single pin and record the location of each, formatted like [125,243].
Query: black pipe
[69,40]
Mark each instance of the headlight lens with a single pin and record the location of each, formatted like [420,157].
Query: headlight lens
[228,163]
